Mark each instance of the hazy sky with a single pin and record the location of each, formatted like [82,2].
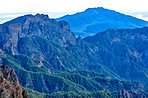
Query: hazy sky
[71,6]
[11,6]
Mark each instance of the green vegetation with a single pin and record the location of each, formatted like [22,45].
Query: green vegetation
[39,79]
[84,94]
[35,94]
[47,58]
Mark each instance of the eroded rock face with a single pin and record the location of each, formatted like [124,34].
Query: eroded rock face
[29,26]
[9,86]
[129,94]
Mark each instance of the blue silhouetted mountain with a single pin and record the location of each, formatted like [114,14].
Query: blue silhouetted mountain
[94,20]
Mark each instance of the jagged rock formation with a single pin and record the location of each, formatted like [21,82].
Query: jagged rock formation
[34,37]
[30,26]
[9,86]
[129,94]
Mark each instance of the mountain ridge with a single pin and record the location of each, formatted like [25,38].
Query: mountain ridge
[94,20]
[39,48]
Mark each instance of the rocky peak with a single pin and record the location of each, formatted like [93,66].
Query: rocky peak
[79,37]
[80,41]
[42,17]
[29,26]
[95,10]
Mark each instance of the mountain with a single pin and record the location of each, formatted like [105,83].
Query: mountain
[48,58]
[98,94]
[126,51]
[39,79]
[9,86]
[94,20]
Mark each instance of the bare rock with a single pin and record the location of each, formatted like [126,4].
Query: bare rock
[9,86]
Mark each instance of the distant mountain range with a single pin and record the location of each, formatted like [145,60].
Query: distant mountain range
[47,57]
[95,20]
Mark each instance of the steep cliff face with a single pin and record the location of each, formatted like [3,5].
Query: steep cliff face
[29,26]
[9,86]
[36,37]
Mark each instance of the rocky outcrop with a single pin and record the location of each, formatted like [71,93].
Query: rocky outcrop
[29,26]
[129,94]
[9,86]
[26,35]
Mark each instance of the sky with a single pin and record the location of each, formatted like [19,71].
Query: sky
[57,8]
